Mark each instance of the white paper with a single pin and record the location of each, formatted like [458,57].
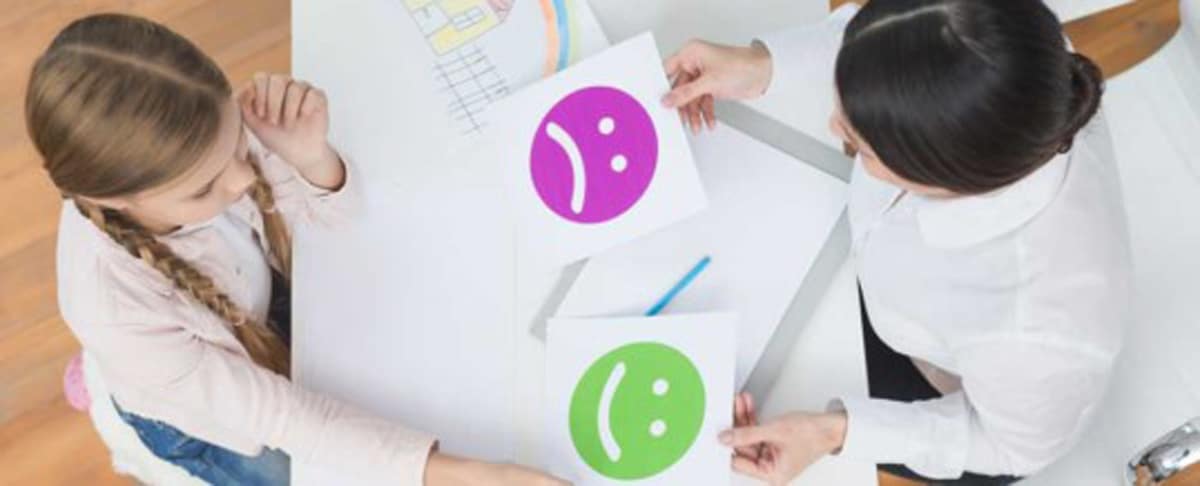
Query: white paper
[406,314]
[625,392]
[390,103]
[592,158]
[826,363]
[485,49]
[768,217]
[405,288]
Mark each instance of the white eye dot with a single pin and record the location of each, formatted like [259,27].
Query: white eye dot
[658,428]
[607,125]
[619,163]
[661,386]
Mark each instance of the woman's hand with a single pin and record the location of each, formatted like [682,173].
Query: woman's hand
[779,451]
[744,415]
[702,72]
[447,470]
[291,119]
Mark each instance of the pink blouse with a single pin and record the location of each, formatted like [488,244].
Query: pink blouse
[167,357]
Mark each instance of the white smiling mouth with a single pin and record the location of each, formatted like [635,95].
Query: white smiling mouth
[611,448]
[579,176]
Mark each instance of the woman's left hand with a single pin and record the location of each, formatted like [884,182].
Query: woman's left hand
[291,119]
[785,446]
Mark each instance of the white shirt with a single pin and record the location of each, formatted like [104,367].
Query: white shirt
[1011,302]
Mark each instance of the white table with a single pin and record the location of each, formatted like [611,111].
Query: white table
[344,51]
[360,325]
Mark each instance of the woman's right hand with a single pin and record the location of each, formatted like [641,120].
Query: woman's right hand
[703,71]
[446,470]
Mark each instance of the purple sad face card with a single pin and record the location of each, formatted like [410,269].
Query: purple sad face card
[592,158]
[594,155]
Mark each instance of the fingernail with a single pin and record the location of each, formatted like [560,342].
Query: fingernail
[725,437]
[666,101]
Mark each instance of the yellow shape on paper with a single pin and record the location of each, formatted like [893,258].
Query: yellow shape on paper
[449,24]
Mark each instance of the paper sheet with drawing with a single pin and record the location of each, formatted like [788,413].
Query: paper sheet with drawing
[401,109]
[767,219]
[485,49]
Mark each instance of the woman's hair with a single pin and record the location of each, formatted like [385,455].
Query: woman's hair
[118,105]
[965,95]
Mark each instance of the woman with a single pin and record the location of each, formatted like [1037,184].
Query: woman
[989,235]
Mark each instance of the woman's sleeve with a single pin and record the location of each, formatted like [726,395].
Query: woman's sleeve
[1023,404]
[802,92]
[190,376]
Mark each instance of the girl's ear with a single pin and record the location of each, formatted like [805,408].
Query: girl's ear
[115,203]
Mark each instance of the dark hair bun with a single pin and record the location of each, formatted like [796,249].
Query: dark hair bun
[1087,87]
[964,95]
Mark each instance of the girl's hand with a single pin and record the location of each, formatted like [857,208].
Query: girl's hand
[702,72]
[447,470]
[787,446]
[291,119]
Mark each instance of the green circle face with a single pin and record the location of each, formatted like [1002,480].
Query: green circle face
[637,410]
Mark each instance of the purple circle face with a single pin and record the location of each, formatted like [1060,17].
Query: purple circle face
[594,155]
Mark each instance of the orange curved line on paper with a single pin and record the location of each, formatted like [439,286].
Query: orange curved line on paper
[548,13]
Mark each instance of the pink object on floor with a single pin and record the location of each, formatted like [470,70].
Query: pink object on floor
[73,385]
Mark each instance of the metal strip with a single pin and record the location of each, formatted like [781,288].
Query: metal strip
[806,149]
[554,300]
[799,145]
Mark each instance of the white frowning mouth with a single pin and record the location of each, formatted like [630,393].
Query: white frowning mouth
[579,175]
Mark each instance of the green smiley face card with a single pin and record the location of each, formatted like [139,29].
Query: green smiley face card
[640,400]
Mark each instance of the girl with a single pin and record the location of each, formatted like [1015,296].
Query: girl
[174,251]
[989,235]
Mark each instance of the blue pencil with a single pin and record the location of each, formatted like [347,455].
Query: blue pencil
[679,286]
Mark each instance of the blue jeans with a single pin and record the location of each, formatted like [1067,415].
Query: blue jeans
[211,463]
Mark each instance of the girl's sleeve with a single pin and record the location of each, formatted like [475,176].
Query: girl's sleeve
[189,376]
[802,92]
[300,201]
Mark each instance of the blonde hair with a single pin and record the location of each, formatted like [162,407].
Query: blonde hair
[118,105]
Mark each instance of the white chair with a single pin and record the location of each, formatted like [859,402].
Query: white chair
[129,455]
[1153,112]
[1069,10]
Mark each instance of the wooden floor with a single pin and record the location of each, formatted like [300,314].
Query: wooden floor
[42,441]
